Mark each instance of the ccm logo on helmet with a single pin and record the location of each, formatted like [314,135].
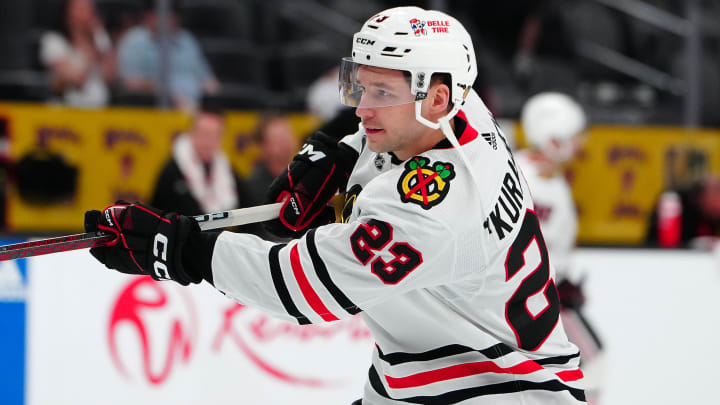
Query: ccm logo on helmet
[160,252]
[365,41]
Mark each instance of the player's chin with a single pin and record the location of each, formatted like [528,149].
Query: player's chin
[377,136]
[376,146]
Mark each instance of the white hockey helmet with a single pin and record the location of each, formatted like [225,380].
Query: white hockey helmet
[548,116]
[552,116]
[420,42]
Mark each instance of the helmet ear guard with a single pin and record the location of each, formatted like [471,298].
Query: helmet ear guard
[420,86]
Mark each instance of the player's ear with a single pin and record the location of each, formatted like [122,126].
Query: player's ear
[440,98]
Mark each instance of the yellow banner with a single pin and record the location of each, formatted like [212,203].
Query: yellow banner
[118,153]
[624,169]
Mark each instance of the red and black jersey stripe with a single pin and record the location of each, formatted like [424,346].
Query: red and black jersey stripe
[453,397]
[281,288]
[324,276]
[469,369]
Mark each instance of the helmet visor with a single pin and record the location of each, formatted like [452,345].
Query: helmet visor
[372,87]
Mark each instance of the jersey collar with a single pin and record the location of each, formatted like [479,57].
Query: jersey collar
[463,132]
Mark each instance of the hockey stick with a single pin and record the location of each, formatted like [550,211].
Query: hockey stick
[217,220]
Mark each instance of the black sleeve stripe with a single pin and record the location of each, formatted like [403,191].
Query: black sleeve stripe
[492,352]
[281,288]
[454,397]
[557,359]
[324,276]
[376,384]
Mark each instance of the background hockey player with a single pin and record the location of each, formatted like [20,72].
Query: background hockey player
[439,248]
[554,125]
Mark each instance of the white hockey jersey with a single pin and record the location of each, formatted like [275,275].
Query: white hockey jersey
[452,281]
[555,209]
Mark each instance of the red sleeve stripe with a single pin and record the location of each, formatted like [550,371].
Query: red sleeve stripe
[469,369]
[307,291]
[570,375]
[281,287]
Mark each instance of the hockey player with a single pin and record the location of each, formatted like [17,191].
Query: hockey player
[553,124]
[439,248]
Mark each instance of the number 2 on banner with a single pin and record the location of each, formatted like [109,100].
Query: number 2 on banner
[530,329]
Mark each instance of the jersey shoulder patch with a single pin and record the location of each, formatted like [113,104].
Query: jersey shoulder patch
[423,183]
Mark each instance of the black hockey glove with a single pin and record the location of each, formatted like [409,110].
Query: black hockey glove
[571,295]
[316,173]
[147,241]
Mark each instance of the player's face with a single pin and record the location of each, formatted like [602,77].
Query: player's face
[392,128]
[207,135]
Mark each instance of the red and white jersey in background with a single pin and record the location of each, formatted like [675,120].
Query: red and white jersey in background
[555,209]
[453,281]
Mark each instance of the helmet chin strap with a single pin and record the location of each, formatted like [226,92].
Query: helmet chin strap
[444,125]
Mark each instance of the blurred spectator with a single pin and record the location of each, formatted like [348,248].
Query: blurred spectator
[278,145]
[517,30]
[119,17]
[198,178]
[79,55]
[688,217]
[190,75]
[542,34]
[523,47]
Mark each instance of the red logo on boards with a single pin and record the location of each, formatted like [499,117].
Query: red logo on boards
[254,336]
[152,330]
[157,319]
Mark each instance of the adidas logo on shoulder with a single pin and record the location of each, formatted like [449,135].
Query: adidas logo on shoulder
[490,139]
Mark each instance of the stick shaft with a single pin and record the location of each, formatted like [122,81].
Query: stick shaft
[52,245]
[66,243]
[239,216]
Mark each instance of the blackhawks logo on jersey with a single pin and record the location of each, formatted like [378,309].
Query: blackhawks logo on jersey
[424,184]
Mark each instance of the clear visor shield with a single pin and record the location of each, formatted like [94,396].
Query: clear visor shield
[372,87]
